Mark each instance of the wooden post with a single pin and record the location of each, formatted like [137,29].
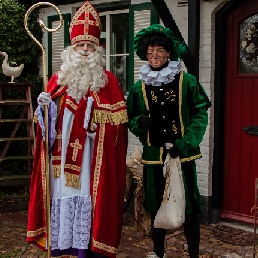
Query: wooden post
[194,34]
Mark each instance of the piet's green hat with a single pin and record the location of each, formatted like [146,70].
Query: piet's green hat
[157,29]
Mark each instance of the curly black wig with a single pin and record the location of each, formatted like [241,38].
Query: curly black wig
[159,39]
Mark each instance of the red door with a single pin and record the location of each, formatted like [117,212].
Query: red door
[241,110]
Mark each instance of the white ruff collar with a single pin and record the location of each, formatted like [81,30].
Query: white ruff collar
[156,78]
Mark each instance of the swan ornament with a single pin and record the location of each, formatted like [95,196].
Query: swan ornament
[10,71]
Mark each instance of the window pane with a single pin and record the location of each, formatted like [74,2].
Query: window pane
[102,42]
[119,33]
[249,45]
[119,68]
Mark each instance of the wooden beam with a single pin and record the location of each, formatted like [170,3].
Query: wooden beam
[169,22]
[20,204]
[194,33]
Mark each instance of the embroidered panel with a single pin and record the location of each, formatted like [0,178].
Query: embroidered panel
[72,180]
[116,118]
[115,106]
[248,59]
[56,171]
[76,147]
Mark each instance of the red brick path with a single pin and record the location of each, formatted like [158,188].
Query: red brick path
[133,245]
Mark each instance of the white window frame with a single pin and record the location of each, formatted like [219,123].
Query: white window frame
[108,35]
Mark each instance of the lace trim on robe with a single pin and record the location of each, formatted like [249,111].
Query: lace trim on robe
[70,222]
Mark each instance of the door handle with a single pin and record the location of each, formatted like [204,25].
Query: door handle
[251,129]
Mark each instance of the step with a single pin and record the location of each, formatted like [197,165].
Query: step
[15,120]
[15,86]
[17,139]
[14,180]
[6,197]
[16,157]
[14,102]
[14,205]
[2,178]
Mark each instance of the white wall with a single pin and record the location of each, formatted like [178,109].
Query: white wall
[139,1]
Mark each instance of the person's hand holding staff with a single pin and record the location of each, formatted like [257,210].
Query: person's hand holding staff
[47,190]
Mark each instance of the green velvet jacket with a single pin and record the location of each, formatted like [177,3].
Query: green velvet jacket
[193,105]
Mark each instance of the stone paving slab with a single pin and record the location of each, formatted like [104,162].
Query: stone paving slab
[133,244]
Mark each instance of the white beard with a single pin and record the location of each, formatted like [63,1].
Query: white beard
[80,73]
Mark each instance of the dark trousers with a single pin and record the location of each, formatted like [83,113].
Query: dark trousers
[191,231]
[191,224]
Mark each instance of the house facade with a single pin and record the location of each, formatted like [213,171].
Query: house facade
[226,60]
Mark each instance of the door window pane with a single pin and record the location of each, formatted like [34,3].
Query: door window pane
[119,33]
[114,39]
[119,67]
[248,62]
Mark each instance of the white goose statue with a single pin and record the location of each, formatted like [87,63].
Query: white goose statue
[12,72]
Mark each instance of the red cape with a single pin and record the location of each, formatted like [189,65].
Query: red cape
[108,171]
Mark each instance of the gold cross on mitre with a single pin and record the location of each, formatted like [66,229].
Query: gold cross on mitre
[83,17]
[76,147]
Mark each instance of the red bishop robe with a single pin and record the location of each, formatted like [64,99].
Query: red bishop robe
[108,171]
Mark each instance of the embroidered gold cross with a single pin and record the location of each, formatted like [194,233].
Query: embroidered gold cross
[59,140]
[76,146]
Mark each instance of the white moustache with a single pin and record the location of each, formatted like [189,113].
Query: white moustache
[84,53]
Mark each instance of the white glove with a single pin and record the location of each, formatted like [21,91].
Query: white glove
[94,126]
[44,99]
[91,135]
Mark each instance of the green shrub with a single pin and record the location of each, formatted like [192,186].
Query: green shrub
[15,41]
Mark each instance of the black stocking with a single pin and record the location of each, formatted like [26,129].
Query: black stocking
[192,234]
[158,238]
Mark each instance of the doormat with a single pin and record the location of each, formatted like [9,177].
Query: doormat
[233,235]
